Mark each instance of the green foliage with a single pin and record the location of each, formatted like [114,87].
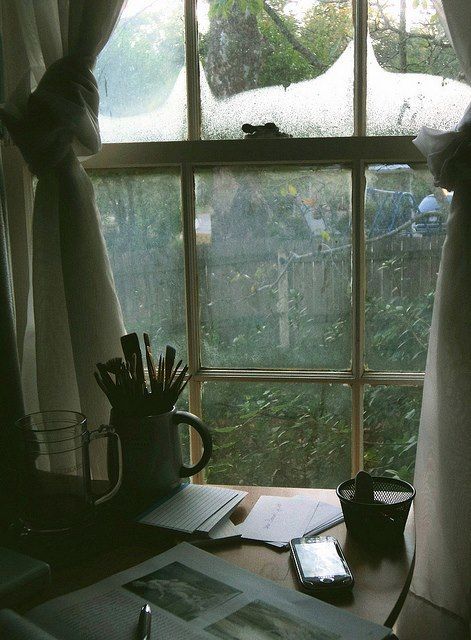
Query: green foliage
[399,328]
[293,434]
[222,8]
[420,48]
[327,29]
[282,435]
[140,64]
[391,429]
[281,65]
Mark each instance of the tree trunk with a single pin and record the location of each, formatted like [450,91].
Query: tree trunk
[402,37]
[234,52]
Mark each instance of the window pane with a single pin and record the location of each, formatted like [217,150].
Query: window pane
[414,77]
[403,257]
[141,74]
[274,260]
[391,427]
[286,435]
[140,212]
[183,429]
[288,63]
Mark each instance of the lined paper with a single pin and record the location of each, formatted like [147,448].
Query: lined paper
[189,508]
[224,511]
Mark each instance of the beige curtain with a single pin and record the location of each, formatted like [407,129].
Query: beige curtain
[11,397]
[439,604]
[73,315]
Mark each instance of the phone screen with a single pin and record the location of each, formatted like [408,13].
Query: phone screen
[319,559]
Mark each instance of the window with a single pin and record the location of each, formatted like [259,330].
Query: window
[295,274]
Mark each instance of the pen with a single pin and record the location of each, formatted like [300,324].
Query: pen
[145,618]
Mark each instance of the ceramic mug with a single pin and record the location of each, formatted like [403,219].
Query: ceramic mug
[152,452]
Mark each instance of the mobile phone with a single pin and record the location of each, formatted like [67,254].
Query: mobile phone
[320,563]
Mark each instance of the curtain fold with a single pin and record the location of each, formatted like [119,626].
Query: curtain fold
[11,397]
[52,116]
[439,603]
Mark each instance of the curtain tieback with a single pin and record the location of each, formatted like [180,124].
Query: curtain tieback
[61,115]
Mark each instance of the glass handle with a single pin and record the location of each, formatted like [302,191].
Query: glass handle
[108,432]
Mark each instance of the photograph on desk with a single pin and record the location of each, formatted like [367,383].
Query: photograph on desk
[260,621]
[182,591]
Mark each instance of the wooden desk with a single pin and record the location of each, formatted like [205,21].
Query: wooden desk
[381,579]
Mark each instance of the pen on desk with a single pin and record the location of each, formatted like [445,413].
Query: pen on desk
[145,619]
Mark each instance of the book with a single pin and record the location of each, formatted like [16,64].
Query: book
[195,596]
[20,577]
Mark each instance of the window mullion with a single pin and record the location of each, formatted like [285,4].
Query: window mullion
[191,275]
[360,12]
[192,71]
[358,310]
[192,303]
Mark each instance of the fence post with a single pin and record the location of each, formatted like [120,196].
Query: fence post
[283,300]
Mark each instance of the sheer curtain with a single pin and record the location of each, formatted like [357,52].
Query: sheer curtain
[439,603]
[73,315]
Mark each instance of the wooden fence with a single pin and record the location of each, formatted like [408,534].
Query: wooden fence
[240,283]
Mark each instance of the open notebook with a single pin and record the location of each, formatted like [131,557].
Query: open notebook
[194,596]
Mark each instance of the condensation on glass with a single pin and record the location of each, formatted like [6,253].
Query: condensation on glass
[274,266]
[391,426]
[413,75]
[405,227]
[288,63]
[141,74]
[282,435]
[141,222]
[291,63]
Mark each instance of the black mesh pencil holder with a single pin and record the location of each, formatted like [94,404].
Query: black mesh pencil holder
[382,521]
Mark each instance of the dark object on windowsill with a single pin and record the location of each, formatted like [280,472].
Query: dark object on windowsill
[380,522]
[20,577]
[267,130]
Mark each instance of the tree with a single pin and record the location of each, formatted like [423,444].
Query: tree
[419,48]
[139,66]
[232,49]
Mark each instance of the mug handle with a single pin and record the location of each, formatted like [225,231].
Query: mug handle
[108,432]
[183,417]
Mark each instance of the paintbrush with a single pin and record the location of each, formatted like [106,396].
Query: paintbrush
[128,392]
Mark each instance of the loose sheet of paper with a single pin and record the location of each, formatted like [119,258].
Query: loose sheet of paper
[278,519]
[324,515]
[189,508]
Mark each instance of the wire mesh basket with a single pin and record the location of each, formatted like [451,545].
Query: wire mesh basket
[383,520]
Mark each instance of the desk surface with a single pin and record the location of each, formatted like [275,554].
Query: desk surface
[381,579]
